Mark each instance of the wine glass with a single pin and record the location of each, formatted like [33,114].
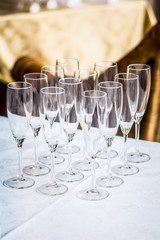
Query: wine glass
[54,74]
[106,72]
[19,108]
[94,107]
[130,84]
[109,126]
[144,73]
[89,82]
[73,96]
[70,65]
[38,81]
[52,104]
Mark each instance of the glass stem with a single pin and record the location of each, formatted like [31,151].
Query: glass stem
[53,178]
[85,153]
[137,132]
[93,173]
[19,145]
[125,150]
[70,156]
[36,132]
[109,173]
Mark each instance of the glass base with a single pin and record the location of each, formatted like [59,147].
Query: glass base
[103,154]
[109,182]
[138,157]
[64,150]
[84,165]
[52,189]
[92,194]
[125,170]
[38,170]
[70,176]
[19,182]
[45,159]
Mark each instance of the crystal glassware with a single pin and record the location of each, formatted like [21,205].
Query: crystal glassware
[89,82]
[19,109]
[94,107]
[130,84]
[52,105]
[38,81]
[73,96]
[144,73]
[109,125]
[70,65]
[54,74]
[106,72]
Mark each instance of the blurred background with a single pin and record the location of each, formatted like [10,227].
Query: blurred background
[10,6]
[34,33]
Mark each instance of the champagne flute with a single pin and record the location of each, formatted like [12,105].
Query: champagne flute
[38,81]
[89,82]
[144,73]
[106,72]
[19,108]
[70,65]
[94,107]
[52,105]
[109,126]
[130,84]
[54,74]
[73,96]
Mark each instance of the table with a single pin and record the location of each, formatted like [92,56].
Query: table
[132,211]
[89,32]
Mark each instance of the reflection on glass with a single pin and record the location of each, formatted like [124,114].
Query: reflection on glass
[19,109]
[144,73]
[52,105]
[94,107]
[73,97]
[109,126]
[38,81]
[89,82]
[130,84]
[70,65]
[54,74]
[106,72]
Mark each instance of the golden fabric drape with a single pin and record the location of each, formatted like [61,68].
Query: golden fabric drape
[90,33]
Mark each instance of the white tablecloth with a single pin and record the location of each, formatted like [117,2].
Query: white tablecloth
[132,211]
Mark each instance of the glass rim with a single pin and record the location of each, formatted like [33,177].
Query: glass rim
[110,87]
[56,66]
[62,90]
[70,83]
[103,66]
[96,91]
[86,69]
[26,87]
[44,76]
[58,60]
[147,67]
[123,76]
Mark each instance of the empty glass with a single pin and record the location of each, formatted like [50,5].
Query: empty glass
[144,73]
[38,81]
[130,84]
[109,126]
[106,72]
[94,107]
[54,74]
[19,109]
[70,65]
[52,105]
[89,82]
[73,96]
